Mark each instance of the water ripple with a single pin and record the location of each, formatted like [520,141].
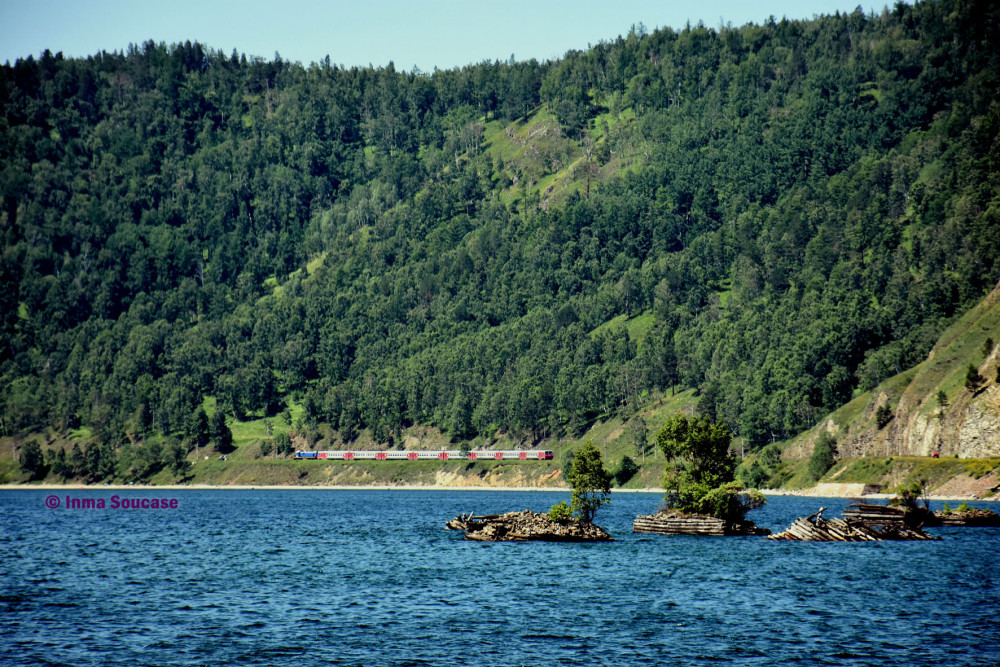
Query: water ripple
[370,577]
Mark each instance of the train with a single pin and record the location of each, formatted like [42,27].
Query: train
[427,454]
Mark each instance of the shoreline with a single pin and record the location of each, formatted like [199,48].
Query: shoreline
[290,487]
[802,493]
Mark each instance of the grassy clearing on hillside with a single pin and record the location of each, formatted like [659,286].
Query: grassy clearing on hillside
[10,472]
[796,474]
[251,431]
[545,166]
[859,471]
[637,327]
[961,344]
[979,467]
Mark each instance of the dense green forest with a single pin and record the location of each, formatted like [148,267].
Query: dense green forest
[779,215]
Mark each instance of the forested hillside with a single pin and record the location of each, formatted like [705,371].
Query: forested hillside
[780,216]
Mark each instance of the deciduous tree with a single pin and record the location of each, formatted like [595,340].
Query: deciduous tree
[590,483]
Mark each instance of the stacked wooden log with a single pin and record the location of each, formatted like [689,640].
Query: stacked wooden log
[815,528]
[874,514]
[676,523]
[526,526]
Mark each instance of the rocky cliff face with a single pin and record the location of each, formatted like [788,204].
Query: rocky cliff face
[932,409]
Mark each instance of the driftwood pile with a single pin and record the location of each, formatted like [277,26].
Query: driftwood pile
[672,522]
[815,528]
[526,526]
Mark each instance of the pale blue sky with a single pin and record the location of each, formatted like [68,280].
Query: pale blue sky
[423,33]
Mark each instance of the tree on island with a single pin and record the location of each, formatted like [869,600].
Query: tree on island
[700,477]
[590,483]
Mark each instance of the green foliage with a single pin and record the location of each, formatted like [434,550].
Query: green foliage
[625,471]
[638,434]
[199,428]
[730,502]
[883,415]
[765,471]
[266,447]
[700,474]
[175,458]
[590,483]
[979,467]
[59,464]
[823,455]
[973,379]
[699,449]
[754,476]
[560,512]
[908,496]
[221,434]
[866,470]
[77,462]
[284,444]
[101,461]
[770,456]
[31,460]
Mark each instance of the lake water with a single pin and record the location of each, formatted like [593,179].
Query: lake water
[370,577]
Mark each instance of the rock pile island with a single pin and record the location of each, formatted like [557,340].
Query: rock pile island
[590,488]
[527,526]
[965,516]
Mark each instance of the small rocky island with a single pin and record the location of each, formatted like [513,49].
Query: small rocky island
[527,526]
[590,486]
[971,517]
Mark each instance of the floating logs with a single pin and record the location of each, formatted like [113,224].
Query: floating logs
[526,526]
[815,528]
[677,523]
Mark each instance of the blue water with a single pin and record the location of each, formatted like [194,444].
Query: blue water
[323,577]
